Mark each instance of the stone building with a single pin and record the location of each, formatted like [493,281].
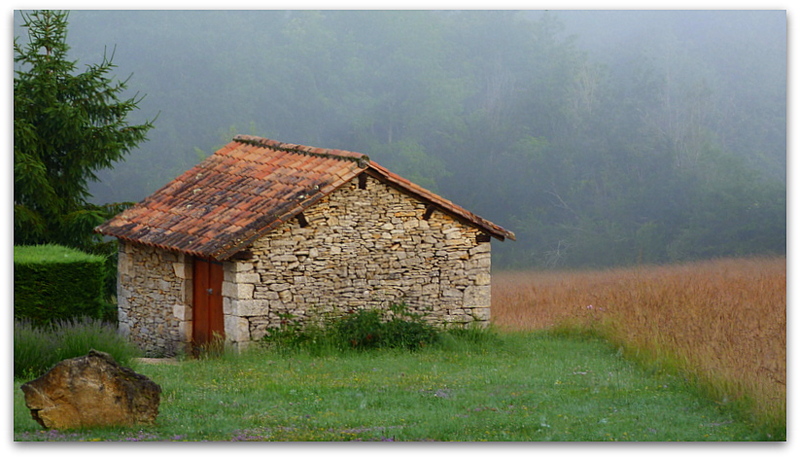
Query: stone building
[262,229]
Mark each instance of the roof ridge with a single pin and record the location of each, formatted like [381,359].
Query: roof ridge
[361,159]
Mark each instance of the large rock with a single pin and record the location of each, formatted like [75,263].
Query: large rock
[92,390]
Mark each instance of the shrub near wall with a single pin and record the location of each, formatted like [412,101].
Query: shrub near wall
[53,282]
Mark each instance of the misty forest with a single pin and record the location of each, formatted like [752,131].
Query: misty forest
[601,138]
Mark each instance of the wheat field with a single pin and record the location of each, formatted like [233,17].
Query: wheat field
[722,321]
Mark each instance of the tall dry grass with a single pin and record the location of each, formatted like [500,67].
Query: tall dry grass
[723,321]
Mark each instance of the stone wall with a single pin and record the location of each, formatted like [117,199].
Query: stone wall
[154,297]
[361,248]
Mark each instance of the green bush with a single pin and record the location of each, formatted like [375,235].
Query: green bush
[38,347]
[408,330]
[359,330]
[362,329]
[292,334]
[53,283]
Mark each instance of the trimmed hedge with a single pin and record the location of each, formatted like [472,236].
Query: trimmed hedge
[53,282]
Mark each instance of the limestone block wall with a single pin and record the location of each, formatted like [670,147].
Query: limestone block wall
[361,248]
[154,298]
[365,247]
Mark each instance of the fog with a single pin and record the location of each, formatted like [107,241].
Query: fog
[601,138]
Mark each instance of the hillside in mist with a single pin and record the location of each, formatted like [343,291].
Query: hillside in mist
[599,137]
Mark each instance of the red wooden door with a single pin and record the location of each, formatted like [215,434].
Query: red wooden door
[207,322]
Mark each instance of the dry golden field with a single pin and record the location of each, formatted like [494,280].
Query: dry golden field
[724,320]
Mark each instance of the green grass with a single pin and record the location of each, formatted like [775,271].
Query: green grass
[516,387]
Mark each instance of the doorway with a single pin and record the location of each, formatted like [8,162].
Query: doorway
[208,325]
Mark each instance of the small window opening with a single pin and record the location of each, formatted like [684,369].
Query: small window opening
[301,218]
[362,182]
[428,212]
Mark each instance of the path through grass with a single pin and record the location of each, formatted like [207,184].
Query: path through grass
[519,387]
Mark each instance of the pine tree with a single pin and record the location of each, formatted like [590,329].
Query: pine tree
[67,126]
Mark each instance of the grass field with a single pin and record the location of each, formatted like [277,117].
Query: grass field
[517,387]
[694,352]
[723,321]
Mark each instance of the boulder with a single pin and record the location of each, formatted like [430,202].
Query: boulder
[90,391]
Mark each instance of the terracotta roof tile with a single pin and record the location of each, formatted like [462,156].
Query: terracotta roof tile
[248,188]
